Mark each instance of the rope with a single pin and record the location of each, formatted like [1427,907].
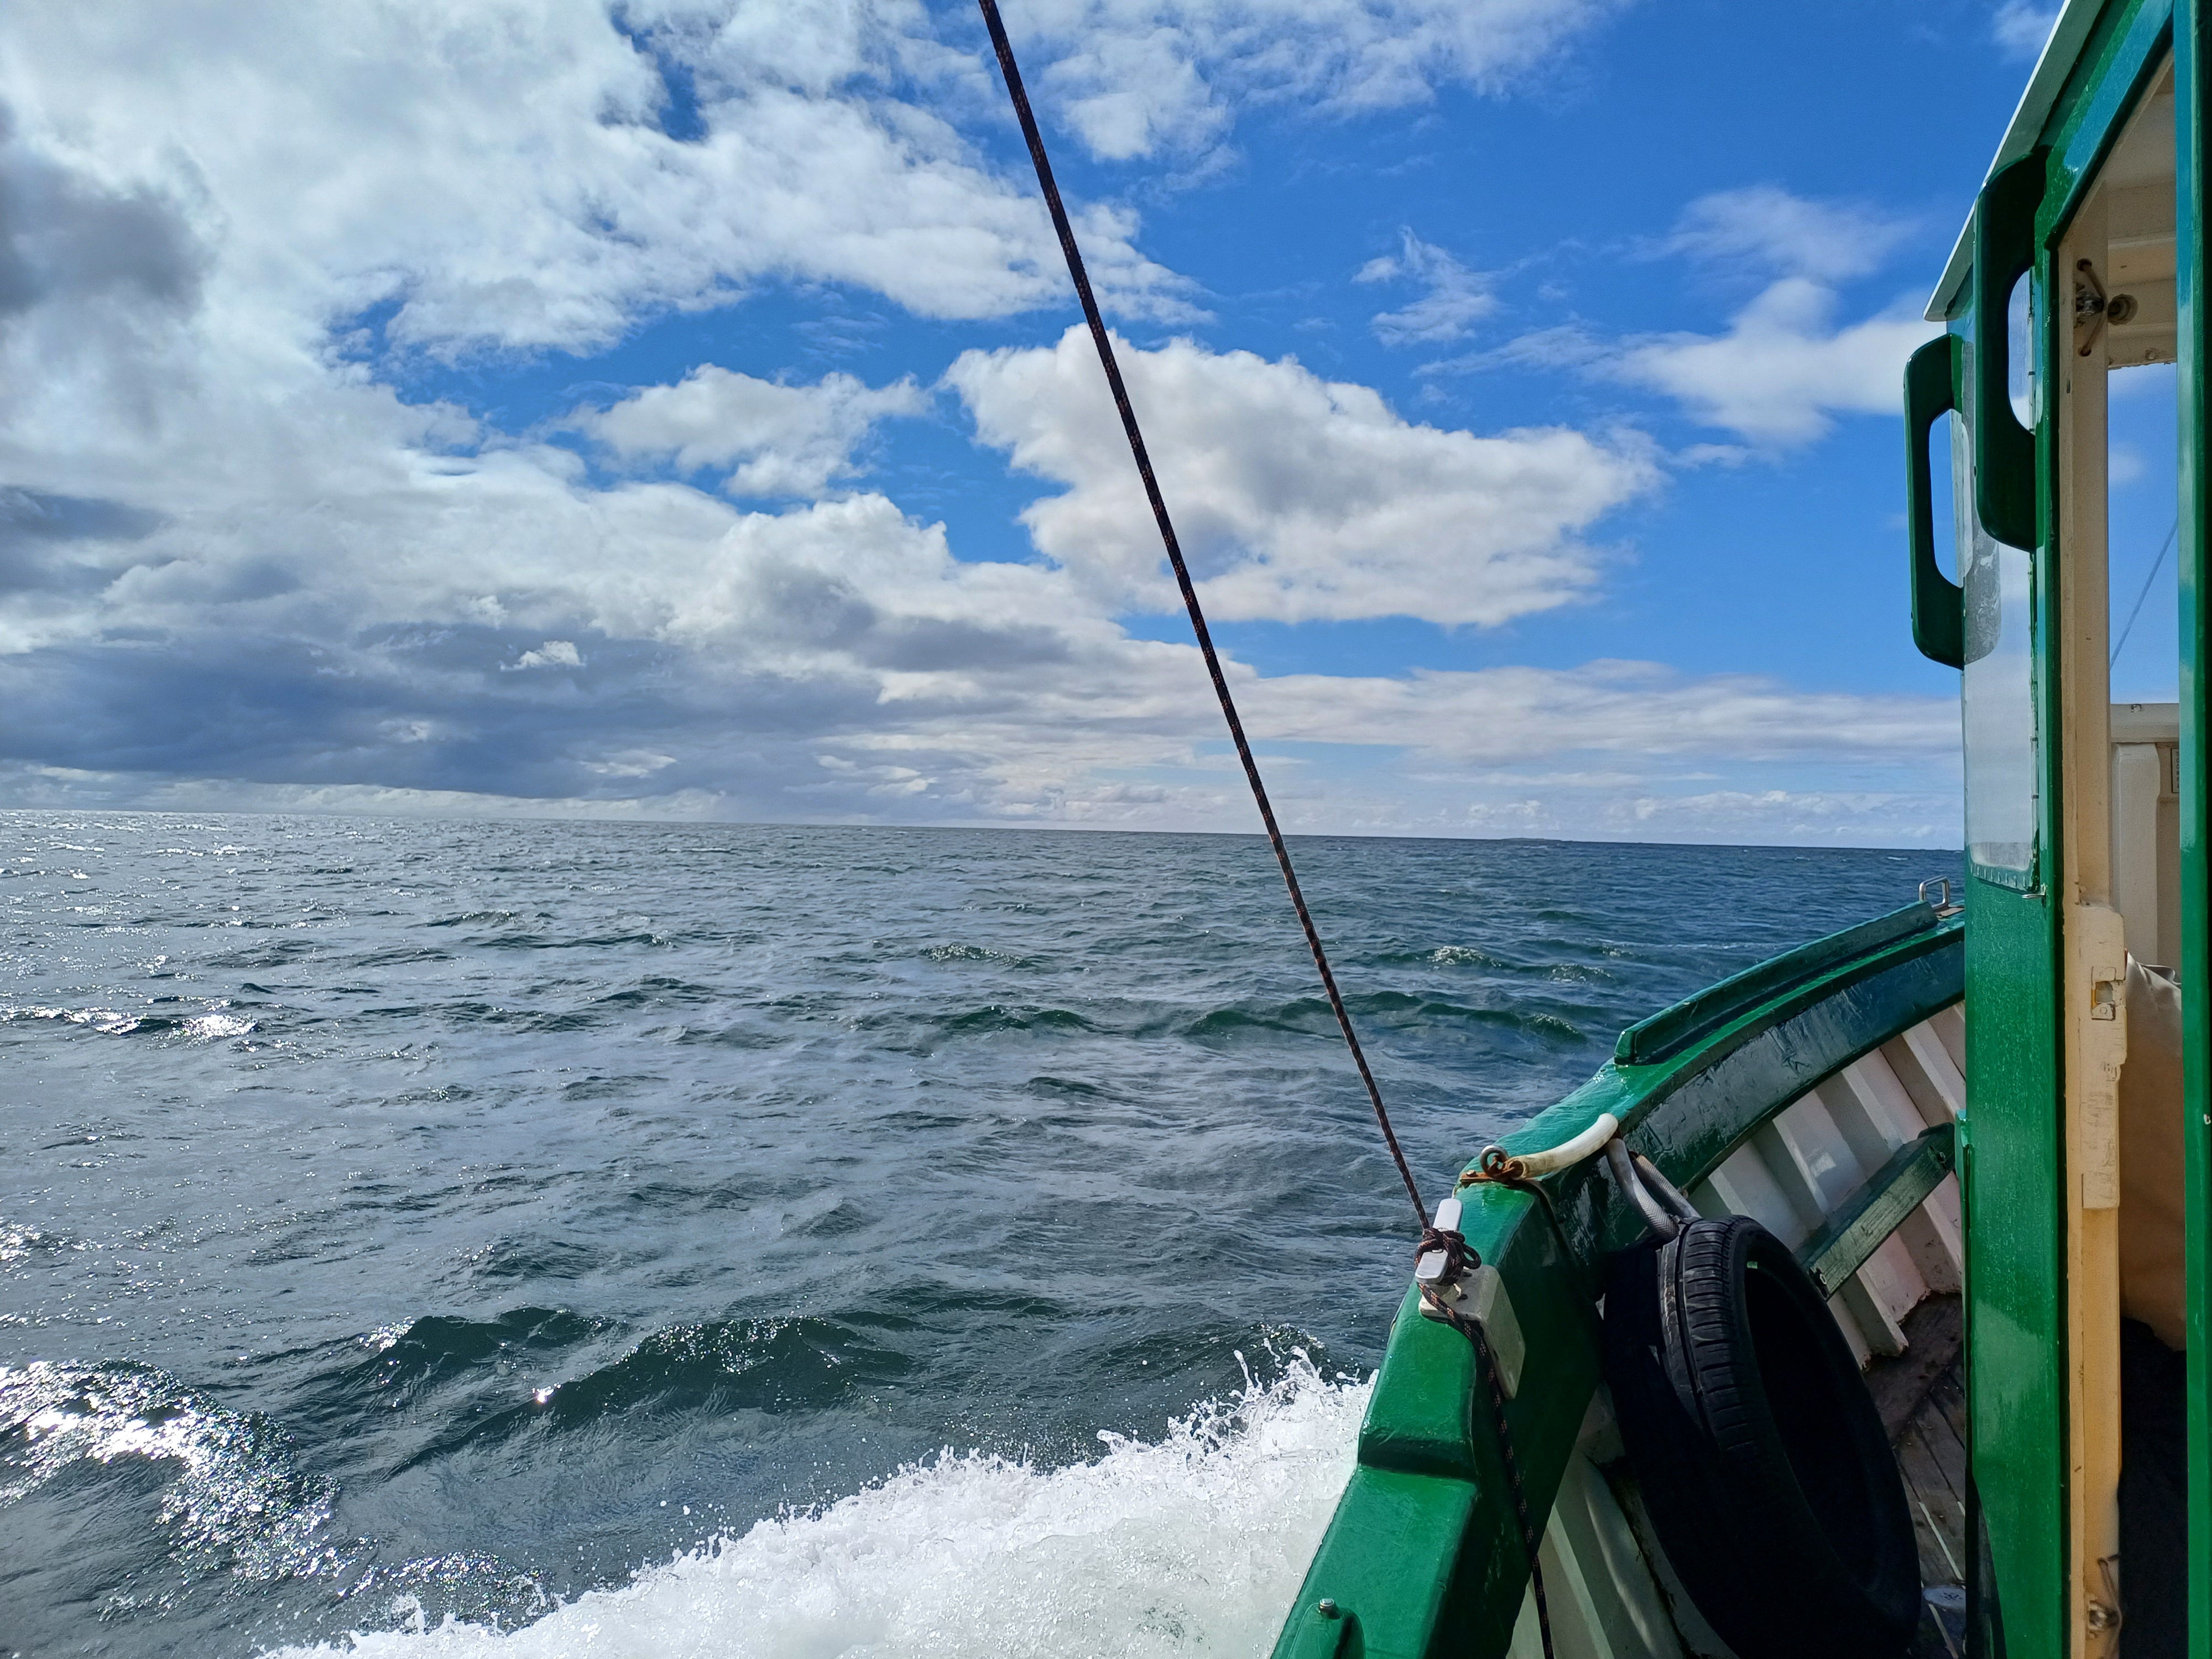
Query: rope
[2156,564]
[1459,1253]
[1105,344]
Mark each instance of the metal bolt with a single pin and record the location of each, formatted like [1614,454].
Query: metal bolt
[1326,1609]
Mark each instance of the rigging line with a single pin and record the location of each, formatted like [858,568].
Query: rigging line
[1105,345]
[2156,565]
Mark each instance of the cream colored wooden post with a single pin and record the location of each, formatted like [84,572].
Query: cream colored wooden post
[2095,947]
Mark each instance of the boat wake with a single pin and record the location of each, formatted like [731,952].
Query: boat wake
[1194,1543]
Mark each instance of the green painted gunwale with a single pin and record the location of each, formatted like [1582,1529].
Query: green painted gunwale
[1423,1556]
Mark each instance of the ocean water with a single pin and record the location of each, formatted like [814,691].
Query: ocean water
[543,1238]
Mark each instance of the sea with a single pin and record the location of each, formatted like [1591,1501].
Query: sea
[535,1238]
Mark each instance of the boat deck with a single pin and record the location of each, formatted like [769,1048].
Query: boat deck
[1923,1401]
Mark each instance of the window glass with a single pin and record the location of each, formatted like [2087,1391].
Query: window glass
[2144,468]
[1998,687]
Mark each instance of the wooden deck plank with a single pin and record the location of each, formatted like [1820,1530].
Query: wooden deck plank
[1944,1445]
[1938,1517]
[1950,1402]
[1934,1333]
[1922,1405]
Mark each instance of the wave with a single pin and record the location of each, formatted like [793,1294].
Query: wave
[1192,1543]
[584,942]
[1465,956]
[238,1504]
[109,1022]
[1311,1017]
[1001,1017]
[429,1350]
[658,991]
[943,953]
[768,1365]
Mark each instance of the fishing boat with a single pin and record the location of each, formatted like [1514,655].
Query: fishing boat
[1844,1312]
[1856,1307]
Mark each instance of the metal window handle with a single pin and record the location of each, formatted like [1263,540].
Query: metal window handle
[1938,605]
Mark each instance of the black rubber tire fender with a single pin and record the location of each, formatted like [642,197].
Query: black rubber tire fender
[1762,1460]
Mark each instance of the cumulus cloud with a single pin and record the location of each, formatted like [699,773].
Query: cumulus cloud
[1133,77]
[781,440]
[554,653]
[1456,298]
[62,232]
[1294,497]
[1783,368]
[652,649]
[1769,228]
[1924,818]
[242,569]
[503,175]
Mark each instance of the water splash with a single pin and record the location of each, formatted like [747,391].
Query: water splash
[1194,1543]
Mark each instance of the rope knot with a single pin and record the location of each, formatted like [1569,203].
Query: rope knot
[1459,1255]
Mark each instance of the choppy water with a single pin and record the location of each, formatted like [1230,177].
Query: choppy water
[542,1237]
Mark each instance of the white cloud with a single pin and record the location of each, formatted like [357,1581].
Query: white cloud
[554,653]
[1294,497]
[1770,228]
[510,175]
[1657,740]
[1786,367]
[2020,26]
[1512,715]
[781,440]
[497,175]
[343,644]
[1133,77]
[1783,368]
[240,570]
[1456,298]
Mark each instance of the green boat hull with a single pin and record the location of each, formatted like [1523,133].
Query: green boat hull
[1423,1555]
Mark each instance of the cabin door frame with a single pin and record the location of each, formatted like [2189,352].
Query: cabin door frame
[2192,40]
[2039,1152]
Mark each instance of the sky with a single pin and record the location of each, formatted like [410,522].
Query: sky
[677,409]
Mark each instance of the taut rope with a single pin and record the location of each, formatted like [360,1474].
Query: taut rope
[1485,1360]
[1105,344]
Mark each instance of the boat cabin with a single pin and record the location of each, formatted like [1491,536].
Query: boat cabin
[2074,300]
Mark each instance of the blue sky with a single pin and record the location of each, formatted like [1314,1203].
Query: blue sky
[670,410]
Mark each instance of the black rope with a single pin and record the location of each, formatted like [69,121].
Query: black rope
[1459,1254]
[1105,345]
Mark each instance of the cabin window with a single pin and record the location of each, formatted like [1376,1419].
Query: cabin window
[1998,687]
[2022,386]
[2144,469]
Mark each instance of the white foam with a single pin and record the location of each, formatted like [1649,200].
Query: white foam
[236,1502]
[198,1027]
[1195,1543]
[206,1027]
